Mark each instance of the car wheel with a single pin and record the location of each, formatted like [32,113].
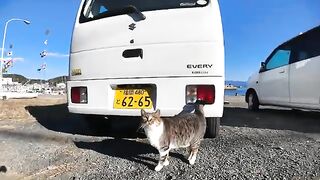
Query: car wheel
[213,126]
[253,102]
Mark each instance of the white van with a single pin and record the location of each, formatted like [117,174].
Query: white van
[127,55]
[290,75]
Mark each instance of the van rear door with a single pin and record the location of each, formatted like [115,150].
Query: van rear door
[177,38]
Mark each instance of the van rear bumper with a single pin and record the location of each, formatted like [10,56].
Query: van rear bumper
[170,95]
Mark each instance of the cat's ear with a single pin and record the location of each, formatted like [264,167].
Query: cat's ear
[143,112]
[157,112]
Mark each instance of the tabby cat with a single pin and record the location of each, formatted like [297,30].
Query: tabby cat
[181,131]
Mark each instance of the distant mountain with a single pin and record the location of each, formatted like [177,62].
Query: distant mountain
[21,79]
[16,78]
[56,80]
[237,83]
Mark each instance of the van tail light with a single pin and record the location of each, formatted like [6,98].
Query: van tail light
[204,93]
[79,95]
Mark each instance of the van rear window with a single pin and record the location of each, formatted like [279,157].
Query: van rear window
[96,9]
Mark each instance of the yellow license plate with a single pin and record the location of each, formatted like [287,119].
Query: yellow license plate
[132,99]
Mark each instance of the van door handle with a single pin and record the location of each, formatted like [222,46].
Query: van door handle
[132,53]
[281,72]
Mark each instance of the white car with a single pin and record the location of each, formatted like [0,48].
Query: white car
[290,75]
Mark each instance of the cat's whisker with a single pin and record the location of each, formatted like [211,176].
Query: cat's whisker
[142,126]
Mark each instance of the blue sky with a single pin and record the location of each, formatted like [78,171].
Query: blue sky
[252,28]
[56,16]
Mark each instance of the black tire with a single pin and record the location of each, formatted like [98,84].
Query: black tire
[213,127]
[253,101]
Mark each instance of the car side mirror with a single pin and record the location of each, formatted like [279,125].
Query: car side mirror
[262,67]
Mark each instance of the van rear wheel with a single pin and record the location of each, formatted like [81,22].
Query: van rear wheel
[213,127]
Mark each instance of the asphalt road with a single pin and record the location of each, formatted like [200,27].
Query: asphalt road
[274,143]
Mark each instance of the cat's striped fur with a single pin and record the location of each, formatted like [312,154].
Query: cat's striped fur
[181,131]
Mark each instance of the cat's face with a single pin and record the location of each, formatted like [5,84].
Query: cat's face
[150,118]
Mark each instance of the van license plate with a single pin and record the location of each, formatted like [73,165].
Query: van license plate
[132,99]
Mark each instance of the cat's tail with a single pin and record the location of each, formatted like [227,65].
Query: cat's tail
[201,117]
[199,108]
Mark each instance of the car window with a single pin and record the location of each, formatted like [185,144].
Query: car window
[96,9]
[307,46]
[280,58]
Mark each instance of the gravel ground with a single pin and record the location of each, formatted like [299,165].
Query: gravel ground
[52,144]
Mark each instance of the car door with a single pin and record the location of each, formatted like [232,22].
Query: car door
[304,70]
[273,78]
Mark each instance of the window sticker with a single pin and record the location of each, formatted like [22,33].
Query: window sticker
[187,4]
[202,2]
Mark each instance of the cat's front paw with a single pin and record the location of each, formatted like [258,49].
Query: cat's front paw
[192,160]
[166,162]
[158,167]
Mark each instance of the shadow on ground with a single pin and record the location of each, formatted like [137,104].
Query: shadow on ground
[127,149]
[57,118]
[278,119]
